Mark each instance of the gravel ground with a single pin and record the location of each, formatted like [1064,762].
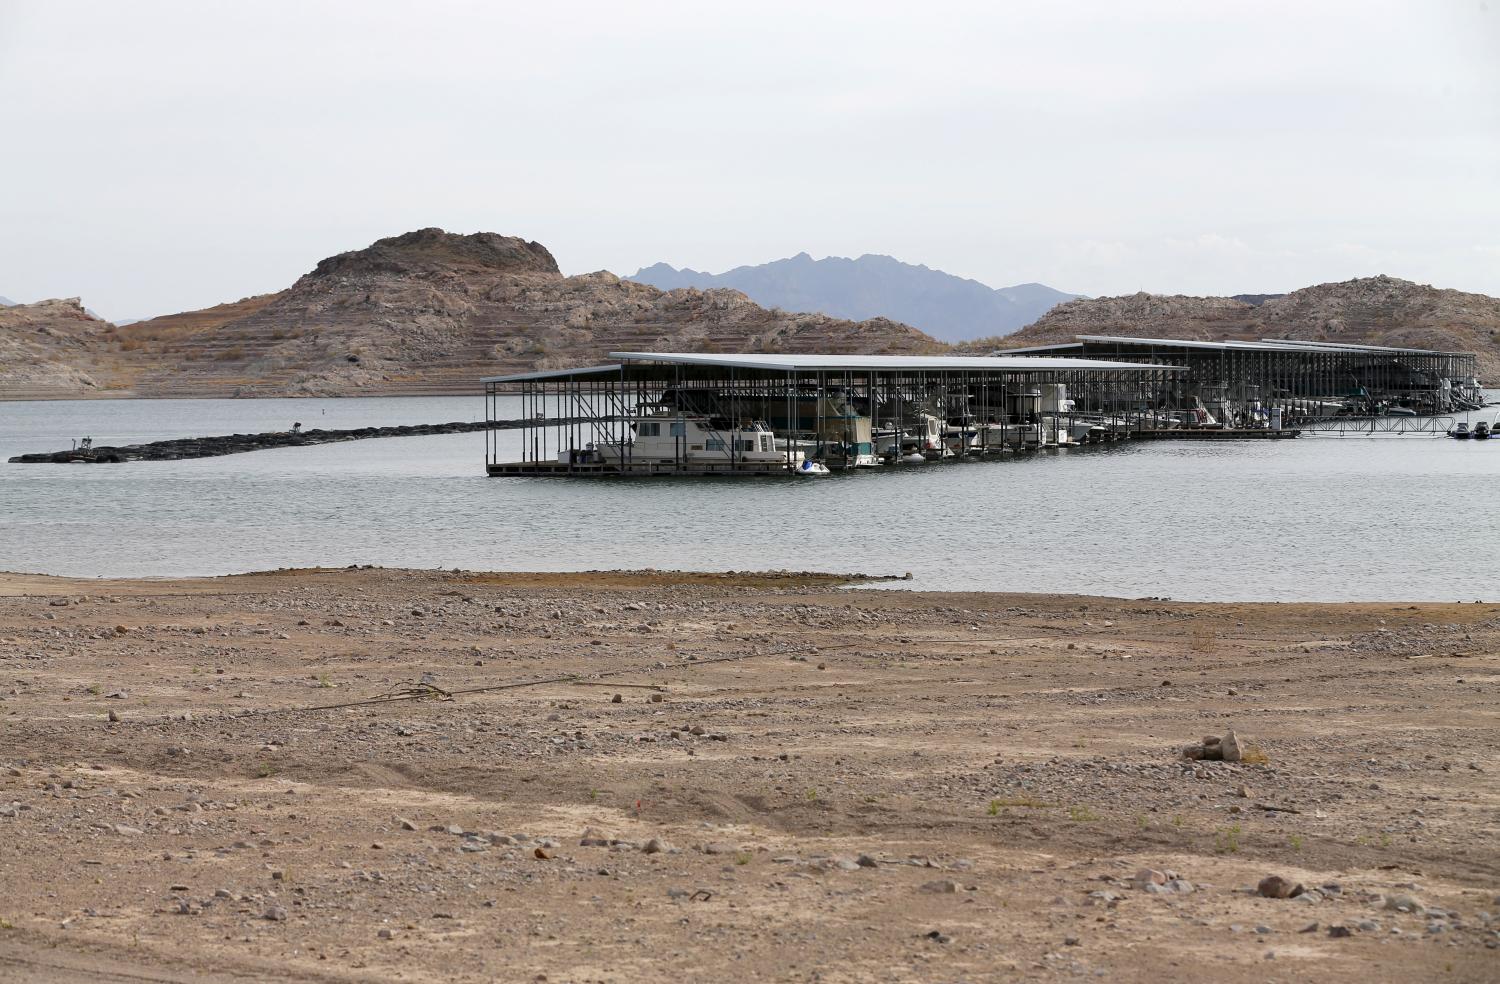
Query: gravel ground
[757,777]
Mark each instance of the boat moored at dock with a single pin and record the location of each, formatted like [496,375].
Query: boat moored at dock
[669,413]
[655,413]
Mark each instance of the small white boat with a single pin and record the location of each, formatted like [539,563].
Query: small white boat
[914,458]
[812,469]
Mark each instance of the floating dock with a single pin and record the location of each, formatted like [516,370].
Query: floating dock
[667,413]
[655,413]
[1239,381]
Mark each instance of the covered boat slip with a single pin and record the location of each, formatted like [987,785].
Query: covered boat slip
[655,413]
[1307,381]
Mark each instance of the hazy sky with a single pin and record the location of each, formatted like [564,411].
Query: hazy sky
[161,156]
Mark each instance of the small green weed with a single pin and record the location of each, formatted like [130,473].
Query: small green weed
[1295,842]
[1227,841]
[1082,814]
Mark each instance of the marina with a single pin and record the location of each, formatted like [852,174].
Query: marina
[660,413]
[1248,383]
[656,413]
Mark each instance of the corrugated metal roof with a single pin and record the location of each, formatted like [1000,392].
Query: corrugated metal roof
[826,363]
[1350,346]
[1179,343]
[793,362]
[1263,345]
[1058,347]
[587,372]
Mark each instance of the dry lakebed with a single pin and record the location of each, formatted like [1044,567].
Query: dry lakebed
[387,775]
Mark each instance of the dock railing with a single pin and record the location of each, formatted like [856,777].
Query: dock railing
[1385,424]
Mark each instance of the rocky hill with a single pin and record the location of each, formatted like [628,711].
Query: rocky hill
[950,308]
[431,312]
[1370,310]
[48,348]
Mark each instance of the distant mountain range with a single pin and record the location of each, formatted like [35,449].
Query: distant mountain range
[7,302]
[947,307]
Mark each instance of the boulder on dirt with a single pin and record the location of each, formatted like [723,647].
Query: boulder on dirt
[1149,876]
[1277,887]
[1216,748]
[1229,748]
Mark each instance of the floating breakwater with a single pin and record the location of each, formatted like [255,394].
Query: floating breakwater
[213,447]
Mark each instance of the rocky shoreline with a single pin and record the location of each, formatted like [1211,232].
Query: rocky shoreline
[213,447]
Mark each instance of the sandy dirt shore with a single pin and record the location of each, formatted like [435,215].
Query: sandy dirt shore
[736,777]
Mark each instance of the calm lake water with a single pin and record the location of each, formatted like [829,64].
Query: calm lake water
[1313,519]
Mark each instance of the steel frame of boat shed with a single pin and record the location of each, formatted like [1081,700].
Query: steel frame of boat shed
[1297,376]
[592,407]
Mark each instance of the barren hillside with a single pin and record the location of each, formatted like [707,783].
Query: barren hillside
[1371,310]
[431,312]
[47,348]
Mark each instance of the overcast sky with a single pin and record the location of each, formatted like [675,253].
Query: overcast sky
[156,157]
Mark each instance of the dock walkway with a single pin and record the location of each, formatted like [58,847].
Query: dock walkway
[1213,434]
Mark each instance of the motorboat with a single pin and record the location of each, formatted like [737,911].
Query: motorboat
[922,435]
[913,458]
[1087,431]
[664,435]
[1481,431]
[811,469]
[829,427]
[1460,430]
